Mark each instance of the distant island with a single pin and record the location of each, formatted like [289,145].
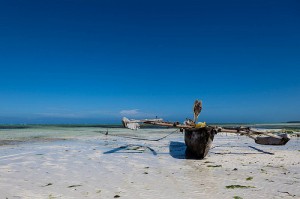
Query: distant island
[293,122]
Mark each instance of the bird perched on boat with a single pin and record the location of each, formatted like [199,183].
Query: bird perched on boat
[197,109]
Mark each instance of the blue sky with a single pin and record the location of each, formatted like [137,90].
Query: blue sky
[97,61]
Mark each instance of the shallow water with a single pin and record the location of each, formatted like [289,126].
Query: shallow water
[15,135]
[83,162]
[30,132]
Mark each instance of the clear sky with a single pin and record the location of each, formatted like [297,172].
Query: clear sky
[68,61]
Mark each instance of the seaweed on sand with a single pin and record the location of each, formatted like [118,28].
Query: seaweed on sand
[238,186]
[237,197]
[214,165]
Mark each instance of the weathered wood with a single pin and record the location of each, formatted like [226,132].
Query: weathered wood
[166,124]
[197,110]
[272,141]
[266,138]
[198,141]
[134,124]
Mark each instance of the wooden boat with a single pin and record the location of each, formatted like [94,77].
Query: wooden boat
[198,137]
[198,141]
[268,140]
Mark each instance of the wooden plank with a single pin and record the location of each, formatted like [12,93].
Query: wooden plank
[167,124]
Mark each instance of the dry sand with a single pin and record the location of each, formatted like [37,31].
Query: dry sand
[96,167]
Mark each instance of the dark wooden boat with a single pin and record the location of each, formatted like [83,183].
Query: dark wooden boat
[198,141]
[281,139]
[198,137]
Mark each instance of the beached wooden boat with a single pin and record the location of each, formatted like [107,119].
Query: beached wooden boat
[198,137]
[198,141]
[281,139]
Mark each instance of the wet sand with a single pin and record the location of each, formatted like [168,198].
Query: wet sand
[108,166]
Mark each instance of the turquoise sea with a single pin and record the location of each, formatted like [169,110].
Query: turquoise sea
[14,134]
[18,134]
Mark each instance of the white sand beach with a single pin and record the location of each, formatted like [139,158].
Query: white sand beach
[94,165]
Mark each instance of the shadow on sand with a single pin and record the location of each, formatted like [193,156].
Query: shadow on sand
[177,150]
[130,148]
[260,150]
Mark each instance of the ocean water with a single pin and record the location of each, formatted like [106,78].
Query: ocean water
[14,134]
[17,134]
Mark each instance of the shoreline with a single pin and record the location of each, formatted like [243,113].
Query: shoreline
[99,166]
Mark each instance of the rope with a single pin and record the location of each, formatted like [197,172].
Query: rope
[136,138]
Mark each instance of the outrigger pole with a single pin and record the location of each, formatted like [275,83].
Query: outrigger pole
[260,137]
